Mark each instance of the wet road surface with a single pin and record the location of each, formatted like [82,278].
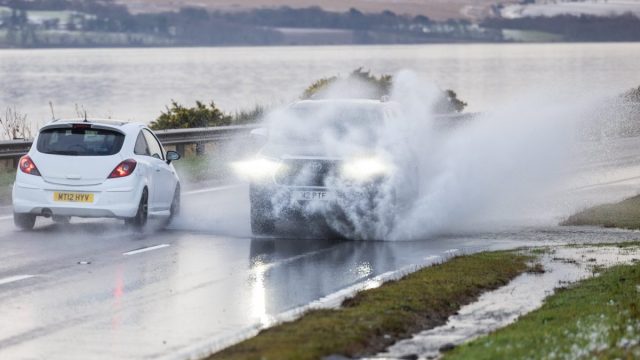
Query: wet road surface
[94,289]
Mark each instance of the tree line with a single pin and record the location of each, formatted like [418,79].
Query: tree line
[624,27]
[198,26]
[94,23]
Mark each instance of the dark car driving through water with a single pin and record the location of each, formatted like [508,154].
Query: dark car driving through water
[343,161]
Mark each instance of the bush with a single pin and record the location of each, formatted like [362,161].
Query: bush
[632,96]
[449,103]
[14,125]
[379,86]
[249,116]
[180,117]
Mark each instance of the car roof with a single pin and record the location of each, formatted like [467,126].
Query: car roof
[125,127]
[343,102]
[376,105]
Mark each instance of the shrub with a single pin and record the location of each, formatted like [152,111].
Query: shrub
[632,96]
[379,86]
[449,103]
[180,117]
[14,125]
[249,116]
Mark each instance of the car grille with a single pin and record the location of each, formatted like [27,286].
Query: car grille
[306,172]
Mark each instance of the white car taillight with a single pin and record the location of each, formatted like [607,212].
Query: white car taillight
[123,169]
[27,166]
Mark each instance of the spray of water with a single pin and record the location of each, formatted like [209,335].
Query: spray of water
[441,176]
[486,168]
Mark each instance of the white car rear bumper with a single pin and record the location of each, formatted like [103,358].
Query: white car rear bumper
[117,198]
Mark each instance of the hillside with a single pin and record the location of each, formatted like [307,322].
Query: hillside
[434,9]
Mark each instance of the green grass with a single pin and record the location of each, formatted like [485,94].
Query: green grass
[7,178]
[62,15]
[376,318]
[530,36]
[625,214]
[597,318]
[542,250]
[197,169]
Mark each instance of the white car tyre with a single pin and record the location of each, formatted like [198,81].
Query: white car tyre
[140,220]
[24,221]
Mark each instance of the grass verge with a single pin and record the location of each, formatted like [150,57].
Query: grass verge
[197,169]
[6,180]
[376,318]
[625,214]
[597,318]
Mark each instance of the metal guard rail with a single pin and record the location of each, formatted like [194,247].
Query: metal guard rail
[15,148]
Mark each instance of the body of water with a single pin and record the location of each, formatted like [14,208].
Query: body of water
[137,84]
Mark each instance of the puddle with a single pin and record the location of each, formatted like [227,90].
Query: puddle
[496,309]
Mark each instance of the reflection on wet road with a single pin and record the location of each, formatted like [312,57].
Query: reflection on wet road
[92,293]
[94,289]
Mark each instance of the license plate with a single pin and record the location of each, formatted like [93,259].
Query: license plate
[313,195]
[73,197]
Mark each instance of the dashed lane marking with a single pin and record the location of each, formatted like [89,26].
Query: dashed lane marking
[142,250]
[12,279]
[213,189]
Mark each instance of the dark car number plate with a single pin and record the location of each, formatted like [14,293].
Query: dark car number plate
[310,195]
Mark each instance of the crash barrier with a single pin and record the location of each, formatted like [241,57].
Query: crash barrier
[185,141]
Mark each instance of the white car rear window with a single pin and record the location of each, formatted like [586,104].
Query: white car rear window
[80,142]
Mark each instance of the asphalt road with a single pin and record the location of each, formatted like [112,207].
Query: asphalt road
[94,289]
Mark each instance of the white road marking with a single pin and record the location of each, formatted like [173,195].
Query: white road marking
[213,189]
[151,248]
[612,182]
[11,279]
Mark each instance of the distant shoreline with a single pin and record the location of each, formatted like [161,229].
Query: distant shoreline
[106,47]
[93,23]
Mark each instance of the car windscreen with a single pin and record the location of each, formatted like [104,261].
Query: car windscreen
[308,126]
[80,142]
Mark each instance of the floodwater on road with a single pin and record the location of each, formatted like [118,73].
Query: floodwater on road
[95,289]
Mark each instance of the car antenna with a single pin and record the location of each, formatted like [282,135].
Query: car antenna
[53,114]
[85,116]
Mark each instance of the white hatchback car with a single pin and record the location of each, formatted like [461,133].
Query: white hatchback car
[95,168]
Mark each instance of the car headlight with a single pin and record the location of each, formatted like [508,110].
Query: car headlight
[257,169]
[366,168]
